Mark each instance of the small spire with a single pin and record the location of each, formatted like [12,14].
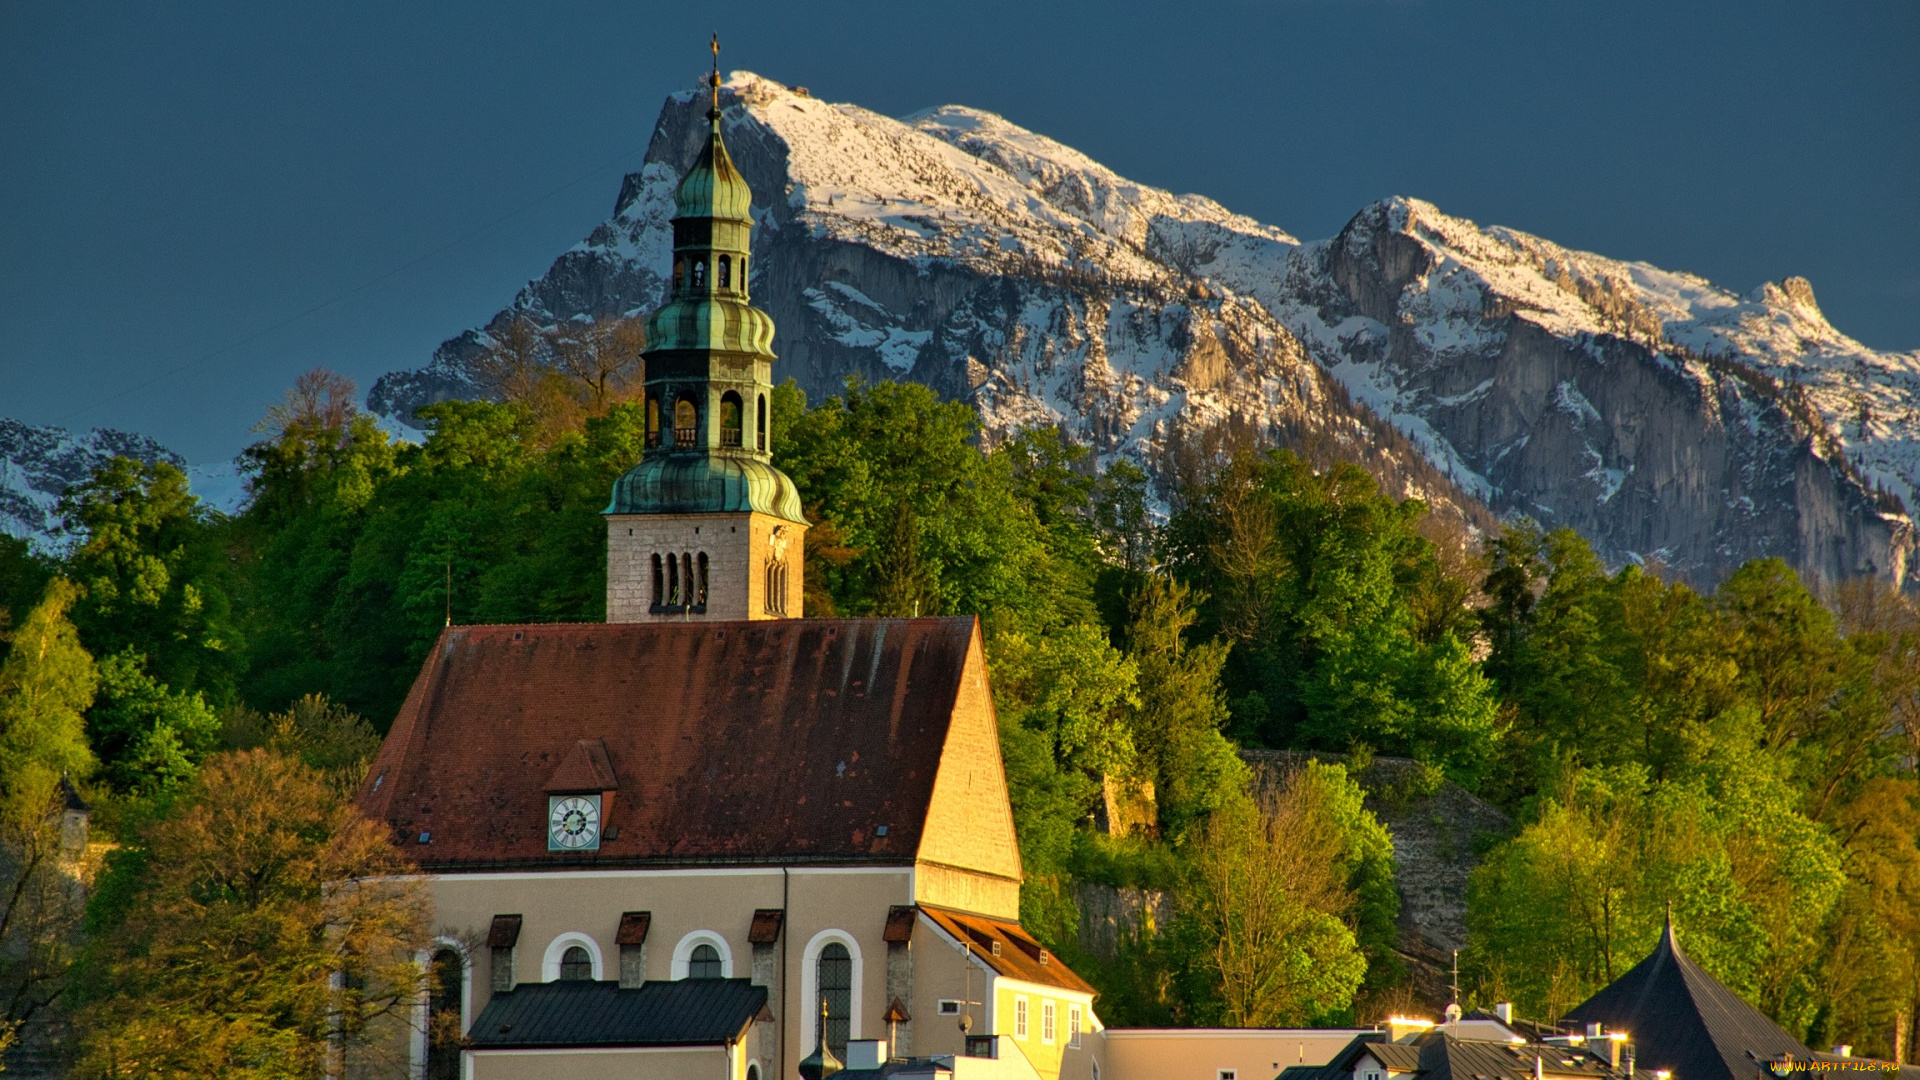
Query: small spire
[821,1063]
[713,114]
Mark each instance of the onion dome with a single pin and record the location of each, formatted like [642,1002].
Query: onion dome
[713,188]
[705,484]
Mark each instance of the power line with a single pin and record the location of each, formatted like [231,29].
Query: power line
[350,293]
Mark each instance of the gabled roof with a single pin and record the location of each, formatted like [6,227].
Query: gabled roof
[585,768]
[685,1012]
[1019,956]
[779,741]
[1681,1018]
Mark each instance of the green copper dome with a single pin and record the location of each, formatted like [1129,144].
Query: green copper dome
[713,188]
[705,484]
[709,361]
[716,322]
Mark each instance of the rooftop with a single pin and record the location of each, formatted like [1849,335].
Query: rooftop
[783,741]
[684,1012]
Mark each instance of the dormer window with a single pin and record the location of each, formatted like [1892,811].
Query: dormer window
[575,965]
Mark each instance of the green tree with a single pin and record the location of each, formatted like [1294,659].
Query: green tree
[149,736]
[1316,579]
[926,517]
[152,574]
[24,574]
[1177,719]
[1061,699]
[334,741]
[1267,913]
[236,910]
[1579,895]
[46,683]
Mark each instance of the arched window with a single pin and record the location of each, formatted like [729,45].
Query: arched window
[686,422]
[743,273]
[704,963]
[730,419]
[699,273]
[700,592]
[659,581]
[444,993]
[725,280]
[575,965]
[834,980]
[679,273]
[673,581]
[760,426]
[753,1070]
[653,420]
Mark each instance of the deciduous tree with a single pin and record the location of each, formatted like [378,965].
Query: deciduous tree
[258,929]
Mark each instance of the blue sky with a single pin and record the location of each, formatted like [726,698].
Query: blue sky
[201,200]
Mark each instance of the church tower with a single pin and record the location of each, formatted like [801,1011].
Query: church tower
[704,527]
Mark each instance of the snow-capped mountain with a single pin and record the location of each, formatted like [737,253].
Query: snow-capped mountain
[1665,418]
[1662,417]
[38,464]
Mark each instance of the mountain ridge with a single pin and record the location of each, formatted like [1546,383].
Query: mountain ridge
[1685,425]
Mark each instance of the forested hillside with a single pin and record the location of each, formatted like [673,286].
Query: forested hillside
[212,686]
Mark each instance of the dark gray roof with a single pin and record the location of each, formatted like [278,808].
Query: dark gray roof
[1439,1055]
[685,1012]
[1681,1018]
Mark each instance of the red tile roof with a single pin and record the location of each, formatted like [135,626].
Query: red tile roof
[775,741]
[1018,956]
[585,768]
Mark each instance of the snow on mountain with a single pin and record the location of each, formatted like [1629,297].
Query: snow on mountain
[993,264]
[1667,419]
[1662,417]
[38,464]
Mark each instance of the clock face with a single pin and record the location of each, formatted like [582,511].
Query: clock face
[573,822]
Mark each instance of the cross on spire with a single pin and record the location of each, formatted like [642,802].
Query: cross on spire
[714,80]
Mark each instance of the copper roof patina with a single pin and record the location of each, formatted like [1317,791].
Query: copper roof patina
[705,484]
[758,742]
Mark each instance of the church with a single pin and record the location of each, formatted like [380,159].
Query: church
[708,838]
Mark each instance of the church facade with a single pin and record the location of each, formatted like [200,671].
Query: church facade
[707,837]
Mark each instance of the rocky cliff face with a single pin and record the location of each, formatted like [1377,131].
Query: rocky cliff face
[956,250]
[38,464]
[1666,419]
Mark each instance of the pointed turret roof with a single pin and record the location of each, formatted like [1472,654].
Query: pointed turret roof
[1682,1019]
[713,188]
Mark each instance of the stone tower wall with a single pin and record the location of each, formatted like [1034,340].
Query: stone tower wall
[738,547]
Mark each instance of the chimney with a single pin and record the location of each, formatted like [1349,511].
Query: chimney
[1593,1031]
[1616,1042]
[1842,1049]
[1504,1011]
